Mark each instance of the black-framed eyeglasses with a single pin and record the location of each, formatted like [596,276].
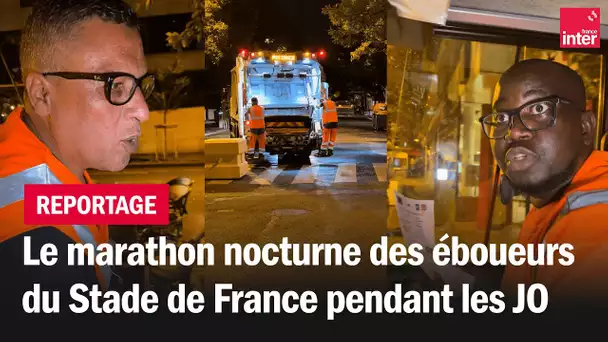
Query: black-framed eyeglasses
[119,87]
[535,115]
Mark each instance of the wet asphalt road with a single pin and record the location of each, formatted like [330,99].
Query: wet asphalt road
[339,199]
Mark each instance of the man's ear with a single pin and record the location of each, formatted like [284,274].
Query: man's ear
[588,126]
[38,90]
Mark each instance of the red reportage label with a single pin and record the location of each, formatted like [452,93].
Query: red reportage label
[112,204]
[579,27]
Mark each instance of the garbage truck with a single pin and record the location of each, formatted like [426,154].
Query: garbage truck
[290,87]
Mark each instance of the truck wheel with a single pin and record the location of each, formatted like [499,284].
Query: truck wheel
[281,157]
[304,156]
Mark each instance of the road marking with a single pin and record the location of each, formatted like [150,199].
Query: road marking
[347,173]
[381,171]
[342,173]
[266,177]
[271,223]
[306,175]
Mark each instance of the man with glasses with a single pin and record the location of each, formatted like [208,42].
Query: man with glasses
[86,85]
[542,138]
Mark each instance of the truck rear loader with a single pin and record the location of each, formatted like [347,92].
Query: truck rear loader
[290,87]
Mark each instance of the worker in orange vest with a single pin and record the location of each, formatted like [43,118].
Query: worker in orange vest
[70,122]
[542,138]
[330,128]
[257,127]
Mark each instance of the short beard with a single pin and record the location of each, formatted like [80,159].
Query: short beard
[555,183]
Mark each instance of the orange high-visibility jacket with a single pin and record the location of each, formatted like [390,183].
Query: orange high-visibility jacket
[24,159]
[330,113]
[257,117]
[380,109]
[579,218]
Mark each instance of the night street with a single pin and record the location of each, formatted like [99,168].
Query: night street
[334,199]
[359,159]
[195,221]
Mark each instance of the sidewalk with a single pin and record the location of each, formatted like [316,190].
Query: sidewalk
[212,130]
[355,117]
[185,159]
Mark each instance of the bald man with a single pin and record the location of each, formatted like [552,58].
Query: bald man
[86,85]
[542,138]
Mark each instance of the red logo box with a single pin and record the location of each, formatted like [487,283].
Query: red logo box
[579,28]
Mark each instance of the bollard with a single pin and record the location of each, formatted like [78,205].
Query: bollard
[225,158]
[393,186]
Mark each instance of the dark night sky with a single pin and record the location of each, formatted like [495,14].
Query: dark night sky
[303,25]
[299,27]
[297,24]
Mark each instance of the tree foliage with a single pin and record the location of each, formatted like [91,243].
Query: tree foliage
[358,25]
[171,88]
[10,39]
[204,26]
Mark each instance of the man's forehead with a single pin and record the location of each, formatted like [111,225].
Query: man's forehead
[513,92]
[111,62]
[106,47]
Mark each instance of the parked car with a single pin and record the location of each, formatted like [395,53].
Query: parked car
[345,108]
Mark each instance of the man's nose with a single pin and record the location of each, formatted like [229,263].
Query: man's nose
[138,107]
[518,131]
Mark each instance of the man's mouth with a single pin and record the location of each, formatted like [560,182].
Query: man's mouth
[519,158]
[131,143]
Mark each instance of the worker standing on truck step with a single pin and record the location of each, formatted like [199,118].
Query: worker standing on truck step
[257,127]
[330,127]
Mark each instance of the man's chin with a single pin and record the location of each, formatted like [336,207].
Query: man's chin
[116,165]
[540,179]
[117,168]
[525,181]
[537,186]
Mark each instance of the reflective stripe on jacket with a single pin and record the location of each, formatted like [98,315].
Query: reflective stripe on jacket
[579,219]
[24,159]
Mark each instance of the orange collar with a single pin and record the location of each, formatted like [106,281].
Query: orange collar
[593,175]
[20,149]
